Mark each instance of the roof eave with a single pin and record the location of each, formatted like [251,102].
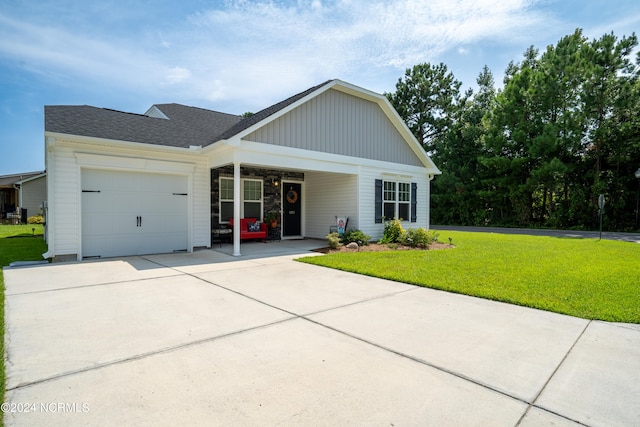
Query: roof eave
[120,143]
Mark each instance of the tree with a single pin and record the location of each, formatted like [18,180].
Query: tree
[456,193]
[564,129]
[426,99]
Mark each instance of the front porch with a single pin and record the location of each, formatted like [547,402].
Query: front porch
[304,203]
[274,249]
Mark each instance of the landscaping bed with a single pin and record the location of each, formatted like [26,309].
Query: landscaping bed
[383,247]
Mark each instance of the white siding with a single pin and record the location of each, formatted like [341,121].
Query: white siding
[367,203]
[64,207]
[330,195]
[367,199]
[64,203]
[32,194]
[337,123]
[201,202]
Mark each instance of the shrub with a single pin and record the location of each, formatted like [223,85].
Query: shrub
[355,236]
[393,231]
[419,237]
[333,239]
[36,219]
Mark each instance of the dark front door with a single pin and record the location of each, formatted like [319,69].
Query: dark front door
[292,215]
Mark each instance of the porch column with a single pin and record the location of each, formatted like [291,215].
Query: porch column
[236,209]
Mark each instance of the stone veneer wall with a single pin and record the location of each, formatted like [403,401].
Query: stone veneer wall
[271,194]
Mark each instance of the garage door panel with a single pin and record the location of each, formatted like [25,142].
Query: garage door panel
[110,225]
[159,182]
[166,223]
[166,242]
[110,246]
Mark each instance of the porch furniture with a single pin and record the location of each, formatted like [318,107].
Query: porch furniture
[14,218]
[221,235]
[245,232]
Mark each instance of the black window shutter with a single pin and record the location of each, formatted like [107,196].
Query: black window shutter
[378,201]
[414,202]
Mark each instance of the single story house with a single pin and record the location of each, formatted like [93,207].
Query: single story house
[22,195]
[127,184]
[32,193]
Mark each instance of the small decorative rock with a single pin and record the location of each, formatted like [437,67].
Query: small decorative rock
[353,246]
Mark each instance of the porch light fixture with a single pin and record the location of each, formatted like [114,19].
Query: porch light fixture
[275,182]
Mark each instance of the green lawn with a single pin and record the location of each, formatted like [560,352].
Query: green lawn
[581,277]
[27,246]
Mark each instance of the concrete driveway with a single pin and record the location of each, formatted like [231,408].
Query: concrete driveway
[208,339]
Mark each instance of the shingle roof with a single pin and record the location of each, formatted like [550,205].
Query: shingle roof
[263,114]
[184,127]
[15,177]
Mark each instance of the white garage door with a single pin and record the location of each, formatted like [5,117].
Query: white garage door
[125,213]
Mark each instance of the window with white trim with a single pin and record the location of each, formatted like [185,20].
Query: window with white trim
[396,200]
[250,193]
[226,199]
[252,199]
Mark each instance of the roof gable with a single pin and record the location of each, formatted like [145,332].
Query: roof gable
[336,122]
[393,141]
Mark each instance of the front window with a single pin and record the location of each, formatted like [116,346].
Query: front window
[404,200]
[226,199]
[389,197]
[396,200]
[251,203]
[252,199]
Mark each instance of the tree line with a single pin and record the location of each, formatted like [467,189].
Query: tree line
[563,129]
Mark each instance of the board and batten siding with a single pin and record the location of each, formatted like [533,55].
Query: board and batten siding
[338,123]
[65,180]
[329,195]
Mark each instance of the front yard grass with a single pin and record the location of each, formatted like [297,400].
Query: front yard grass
[585,278]
[17,243]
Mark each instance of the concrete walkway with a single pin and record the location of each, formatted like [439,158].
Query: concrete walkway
[209,339]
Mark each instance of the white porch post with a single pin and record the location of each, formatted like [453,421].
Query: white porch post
[236,209]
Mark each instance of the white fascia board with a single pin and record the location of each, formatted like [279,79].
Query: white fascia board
[118,143]
[222,156]
[22,181]
[268,155]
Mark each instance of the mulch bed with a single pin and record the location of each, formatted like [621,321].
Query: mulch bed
[378,247]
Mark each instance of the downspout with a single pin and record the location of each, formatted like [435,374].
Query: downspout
[431,176]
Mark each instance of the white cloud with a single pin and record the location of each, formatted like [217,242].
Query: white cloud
[265,47]
[177,75]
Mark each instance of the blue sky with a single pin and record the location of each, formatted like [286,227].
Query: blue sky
[243,55]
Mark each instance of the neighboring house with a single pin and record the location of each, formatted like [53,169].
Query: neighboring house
[26,191]
[127,184]
[33,194]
